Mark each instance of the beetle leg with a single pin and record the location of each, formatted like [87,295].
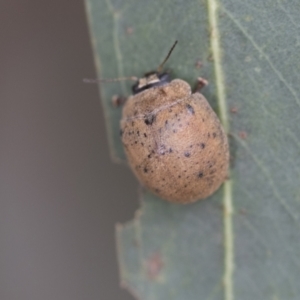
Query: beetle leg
[201,82]
[118,101]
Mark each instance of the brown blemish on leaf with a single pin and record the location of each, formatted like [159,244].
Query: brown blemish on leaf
[136,243]
[129,30]
[234,110]
[242,211]
[154,265]
[243,135]
[198,64]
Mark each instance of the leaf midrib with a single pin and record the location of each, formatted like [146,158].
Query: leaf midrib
[227,188]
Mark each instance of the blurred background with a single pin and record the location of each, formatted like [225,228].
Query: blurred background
[60,193]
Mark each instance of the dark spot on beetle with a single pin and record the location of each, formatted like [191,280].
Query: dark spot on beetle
[212,172]
[129,133]
[208,135]
[214,134]
[203,120]
[202,145]
[145,170]
[179,176]
[178,119]
[142,144]
[135,142]
[149,119]
[200,174]
[191,146]
[170,150]
[132,123]
[163,180]
[176,115]
[190,109]
[157,190]
[210,166]
[187,154]
[135,112]
[170,110]
[174,130]
[163,92]
[145,135]
[149,155]
[166,122]
[121,132]
[185,185]
[151,171]
[138,133]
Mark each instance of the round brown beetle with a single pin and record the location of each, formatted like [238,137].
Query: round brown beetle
[174,141]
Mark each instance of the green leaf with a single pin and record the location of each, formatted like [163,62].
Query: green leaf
[244,241]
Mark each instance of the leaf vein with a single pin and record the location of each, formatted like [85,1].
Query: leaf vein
[280,268]
[287,14]
[271,183]
[263,54]
[116,43]
[227,191]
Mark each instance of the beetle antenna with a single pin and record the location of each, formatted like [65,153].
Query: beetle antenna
[88,80]
[159,69]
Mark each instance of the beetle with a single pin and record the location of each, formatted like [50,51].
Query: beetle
[174,142]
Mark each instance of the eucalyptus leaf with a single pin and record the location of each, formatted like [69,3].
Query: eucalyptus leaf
[244,241]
